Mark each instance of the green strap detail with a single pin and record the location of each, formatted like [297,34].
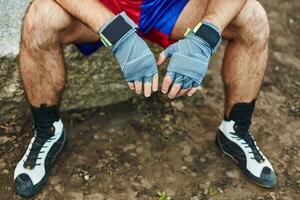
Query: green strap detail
[188,30]
[197,27]
[105,41]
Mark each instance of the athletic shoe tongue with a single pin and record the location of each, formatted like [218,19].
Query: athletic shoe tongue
[241,127]
[247,137]
[43,133]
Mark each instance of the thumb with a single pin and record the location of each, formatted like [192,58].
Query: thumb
[165,54]
[161,58]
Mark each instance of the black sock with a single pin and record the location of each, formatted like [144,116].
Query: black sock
[241,114]
[45,115]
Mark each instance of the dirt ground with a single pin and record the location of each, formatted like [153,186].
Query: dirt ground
[135,149]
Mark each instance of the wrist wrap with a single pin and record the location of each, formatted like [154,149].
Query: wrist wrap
[115,29]
[209,33]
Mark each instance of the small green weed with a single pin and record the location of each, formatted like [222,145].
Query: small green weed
[163,196]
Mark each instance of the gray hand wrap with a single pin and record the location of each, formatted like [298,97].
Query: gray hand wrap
[190,58]
[134,56]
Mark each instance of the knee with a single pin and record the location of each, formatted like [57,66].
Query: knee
[34,30]
[253,24]
[39,30]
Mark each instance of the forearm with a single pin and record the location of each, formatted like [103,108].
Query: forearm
[90,12]
[222,12]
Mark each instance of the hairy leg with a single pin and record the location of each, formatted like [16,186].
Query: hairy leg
[46,27]
[246,54]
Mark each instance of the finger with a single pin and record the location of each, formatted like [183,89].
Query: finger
[161,58]
[155,83]
[187,82]
[168,52]
[196,84]
[138,87]
[147,89]
[131,85]
[174,90]
[148,85]
[182,92]
[192,91]
[186,85]
[166,84]
[168,79]
[177,84]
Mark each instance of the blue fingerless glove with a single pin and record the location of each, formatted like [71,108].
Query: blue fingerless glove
[190,56]
[134,56]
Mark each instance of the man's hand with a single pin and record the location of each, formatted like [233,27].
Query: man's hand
[136,60]
[189,60]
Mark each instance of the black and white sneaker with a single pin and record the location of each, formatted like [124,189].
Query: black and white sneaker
[241,146]
[31,172]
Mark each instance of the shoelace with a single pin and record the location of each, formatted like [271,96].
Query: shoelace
[43,134]
[247,137]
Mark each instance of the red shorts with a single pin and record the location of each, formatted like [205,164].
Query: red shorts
[155,19]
